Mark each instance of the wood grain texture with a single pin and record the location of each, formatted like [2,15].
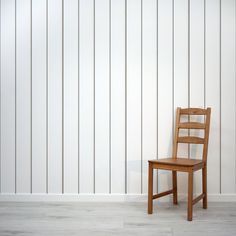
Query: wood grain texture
[190,139]
[178,161]
[101,219]
[191,125]
[175,163]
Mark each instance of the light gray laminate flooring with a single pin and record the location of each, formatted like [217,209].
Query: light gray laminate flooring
[101,219]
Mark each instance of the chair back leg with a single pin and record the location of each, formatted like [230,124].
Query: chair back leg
[190,196]
[150,189]
[204,186]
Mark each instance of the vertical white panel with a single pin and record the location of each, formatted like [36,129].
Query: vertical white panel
[8,96]
[134,96]
[142,95]
[23,96]
[102,96]
[149,88]
[54,96]
[181,74]
[86,97]
[213,95]
[228,105]
[39,96]
[118,96]
[196,75]
[71,96]
[165,106]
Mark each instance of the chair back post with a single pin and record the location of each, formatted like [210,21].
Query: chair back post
[176,134]
[206,136]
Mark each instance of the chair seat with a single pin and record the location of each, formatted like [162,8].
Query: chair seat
[177,161]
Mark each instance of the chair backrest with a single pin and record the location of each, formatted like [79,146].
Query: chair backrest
[192,125]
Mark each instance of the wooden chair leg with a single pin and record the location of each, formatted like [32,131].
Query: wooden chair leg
[150,189]
[204,186]
[174,182]
[190,195]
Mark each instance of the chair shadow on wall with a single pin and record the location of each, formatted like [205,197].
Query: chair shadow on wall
[191,151]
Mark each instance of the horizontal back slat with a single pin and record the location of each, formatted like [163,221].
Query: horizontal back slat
[190,139]
[193,111]
[203,126]
[191,125]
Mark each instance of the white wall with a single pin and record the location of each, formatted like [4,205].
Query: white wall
[89,91]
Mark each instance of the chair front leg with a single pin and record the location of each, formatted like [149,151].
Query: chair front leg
[190,196]
[174,182]
[150,189]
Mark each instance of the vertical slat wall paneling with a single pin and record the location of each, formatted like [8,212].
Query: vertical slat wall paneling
[86,87]
[23,97]
[71,96]
[8,96]
[86,75]
[181,80]
[118,96]
[133,96]
[213,95]
[102,81]
[165,89]
[228,167]
[0,99]
[54,96]
[149,78]
[197,80]
[39,103]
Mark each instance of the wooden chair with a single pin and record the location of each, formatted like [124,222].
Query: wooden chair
[184,164]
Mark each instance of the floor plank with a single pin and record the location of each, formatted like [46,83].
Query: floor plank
[99,219]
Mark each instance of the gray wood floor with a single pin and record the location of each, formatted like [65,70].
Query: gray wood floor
[115,219]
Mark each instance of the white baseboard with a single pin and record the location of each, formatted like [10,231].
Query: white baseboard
[102,198]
